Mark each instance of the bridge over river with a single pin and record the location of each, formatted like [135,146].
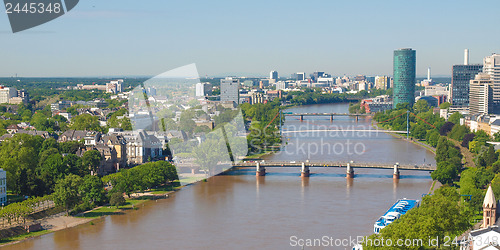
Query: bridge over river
[260,166]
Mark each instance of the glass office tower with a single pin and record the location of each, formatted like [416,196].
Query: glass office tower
[404,76]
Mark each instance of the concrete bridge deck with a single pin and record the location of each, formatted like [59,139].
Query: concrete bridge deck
[421,167]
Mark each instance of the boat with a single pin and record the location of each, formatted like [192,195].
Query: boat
[395,212]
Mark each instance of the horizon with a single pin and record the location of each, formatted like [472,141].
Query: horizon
[341,38]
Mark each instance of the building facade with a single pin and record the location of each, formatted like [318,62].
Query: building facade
[229,90]
[7,93]
[481,95]
[404,76]
[382,82]
[491,66]
[460,83]
[273,75]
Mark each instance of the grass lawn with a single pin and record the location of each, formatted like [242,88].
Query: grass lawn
[191,179]
[110,210]
[24,236]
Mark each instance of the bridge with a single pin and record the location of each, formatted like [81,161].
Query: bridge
[343,131]
[260,166]
[305,172]
[331,115]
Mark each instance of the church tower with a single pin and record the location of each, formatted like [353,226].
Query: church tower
[489,209]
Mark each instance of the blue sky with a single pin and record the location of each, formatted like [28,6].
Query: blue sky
[251,38]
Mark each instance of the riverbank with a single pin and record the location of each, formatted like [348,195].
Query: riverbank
[411,140]
[63,221]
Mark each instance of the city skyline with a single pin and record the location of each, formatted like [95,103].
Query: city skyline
[346,38]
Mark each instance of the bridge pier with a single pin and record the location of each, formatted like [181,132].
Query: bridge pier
[304,172]
[349,172]
[301,118]
[260,171]
[396,174]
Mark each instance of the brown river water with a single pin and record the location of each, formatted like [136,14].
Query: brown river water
[241,211]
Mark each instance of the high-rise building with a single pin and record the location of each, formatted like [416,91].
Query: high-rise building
[203,89]
[6,94]
[481,94]
[460,81]
[316,75]
[229,90]
[491,66]
[301,76]
[405,61]
[382,82]
[273,75]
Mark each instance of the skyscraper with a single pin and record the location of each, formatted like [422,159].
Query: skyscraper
[229,90]
[460,81]
[382,82]
[481,94]
[273,75]
[404,76]
[491,66]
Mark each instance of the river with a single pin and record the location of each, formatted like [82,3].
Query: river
[241,211]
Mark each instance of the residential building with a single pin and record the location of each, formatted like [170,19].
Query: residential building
[141,146]
[360,78]
[114,86]
[281,85]
[382,82]
[404,76]
[481,95]
[229,90]
[3,187]
[6,93]
[491,66]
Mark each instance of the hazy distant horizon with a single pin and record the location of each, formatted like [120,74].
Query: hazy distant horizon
[129,38]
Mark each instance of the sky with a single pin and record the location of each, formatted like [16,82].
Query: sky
[250,38]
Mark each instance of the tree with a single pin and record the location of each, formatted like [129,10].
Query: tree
[445,173]
[491,156]
[446,128]
[91,160]
[85,122]
[66,192]
[421,106]
[92,190]
[455,117]
[116,199]
[467,139]
[444,105]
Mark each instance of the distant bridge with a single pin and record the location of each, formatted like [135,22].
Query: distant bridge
[343,130]
[331,115]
